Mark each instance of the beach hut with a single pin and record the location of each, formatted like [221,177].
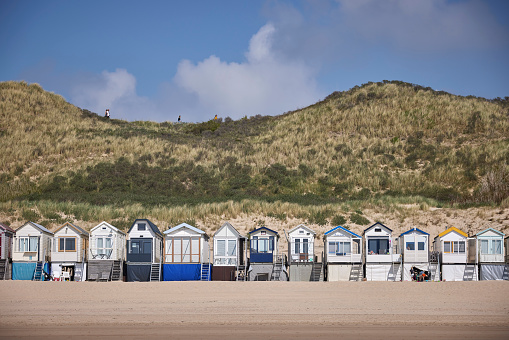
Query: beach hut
[383,261]
[229,248]
[69,253]
[186,255]
[457,255]
[301,255]
[490,247]
[32,252]
[265,264]
[506,270]
[144,249]
[106,252]
[6,237]
[416,256]
[343,255]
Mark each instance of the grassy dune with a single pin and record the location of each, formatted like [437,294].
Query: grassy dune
[380,145]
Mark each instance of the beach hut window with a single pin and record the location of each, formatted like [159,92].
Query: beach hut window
[456,247]
[420,245]
[232,247]
[484,246]
[135,247]
[141,226]
[410,246]
[378,246]
[497,247]
[28,244]
[66,244]
[340,248]
[104,245]
[297,246]
[221,251]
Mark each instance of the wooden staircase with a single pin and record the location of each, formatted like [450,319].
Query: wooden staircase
[469,273]
[38,274]
[116,271]
[241,273]
[3,269]
[277,268]
[316,272]
[155,272]
[356,272]
[505,276]
[205,272]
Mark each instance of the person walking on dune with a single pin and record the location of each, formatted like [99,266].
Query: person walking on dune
[107,113]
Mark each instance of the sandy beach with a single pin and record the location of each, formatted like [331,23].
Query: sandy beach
[254,310]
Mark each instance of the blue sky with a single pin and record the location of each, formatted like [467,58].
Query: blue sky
[156,60]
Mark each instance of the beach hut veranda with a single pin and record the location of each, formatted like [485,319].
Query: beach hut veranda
[490,247]
[415,253]
[343,255]
[457,255]
[301,255]
[229,254]
[382,257]
[265,263]
[144,249]
[69,252]
[186,256]
[6,238]
[106,252]
[32,252]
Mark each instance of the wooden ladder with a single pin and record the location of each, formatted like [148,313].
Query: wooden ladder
[38,274]
[155,272]
[277,268]
[355,272]
[205,272]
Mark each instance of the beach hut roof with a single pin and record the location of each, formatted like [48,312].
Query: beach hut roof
[7,228]
[377,224]
[37,226]
[414,229]
[185,225]
[154,228]
[490,229]
[452,229]
[108,225]
[227,224]
[263,228]
[75,227]
[344,229]
[303,227]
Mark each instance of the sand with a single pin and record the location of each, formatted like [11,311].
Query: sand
[254,310]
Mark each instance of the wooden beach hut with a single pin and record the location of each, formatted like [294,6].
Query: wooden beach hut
[106,253]
[229,250]
[382,259]
[490,247]
[186,255]
[457,255]
[343,255]
[265,263]
[144,249]
[301,255]
[31,256]
[416,256]
[69,253]
[6,237]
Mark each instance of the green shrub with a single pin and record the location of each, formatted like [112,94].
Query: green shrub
[358,219]
[338,220]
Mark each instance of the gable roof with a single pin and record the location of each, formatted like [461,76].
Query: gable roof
[75,227]
[185,225]
[452,229]
[7,228]
[344,229]
[154,228]
[374,225]
[272,231]
[414,229]
[109,226]
[228,225]
[303,227]
[490,229]
[37,226]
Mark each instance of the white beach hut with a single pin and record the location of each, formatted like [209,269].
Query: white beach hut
[457,255]
[490,246]
[301,255]
[186,256]
[6,237]
[343,255]
[144,250]
[106,252]
[69,253]
[415,255]
[229,260]
[32,252]
[383,261]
